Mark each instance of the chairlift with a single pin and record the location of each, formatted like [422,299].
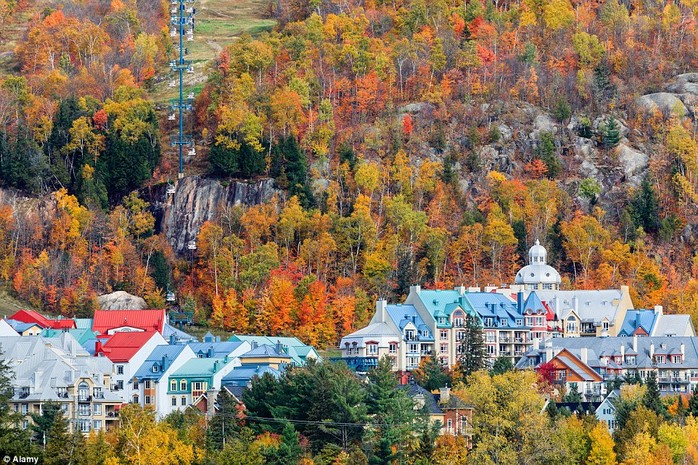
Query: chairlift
[173,11]
[170,297]
[173,33]
[190,70]
[190,37]
[191,152]
[170,189]
[190,10]
[190,95]
[191,245]
[171,117]
[172,83]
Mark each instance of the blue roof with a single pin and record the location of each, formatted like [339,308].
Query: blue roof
[241,376]
[83,323]
[169,331]
[292,345]
[21,326]
[635,319]
[214,349]
[534,304]
[404,314]
[201,367]
[80,335]
[156,358]
[496,306]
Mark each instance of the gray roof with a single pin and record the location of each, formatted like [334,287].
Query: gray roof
[591,305]
[674,325]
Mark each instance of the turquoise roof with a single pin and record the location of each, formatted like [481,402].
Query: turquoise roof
[442,303]
[80,335]
[292,346]
[241,376]
[200,367]
[83,323]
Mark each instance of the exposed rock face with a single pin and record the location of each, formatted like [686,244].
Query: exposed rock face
[121,300]
[633,163]
[197,200]
[663,101]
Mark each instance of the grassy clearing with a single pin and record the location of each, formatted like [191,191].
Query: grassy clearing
[9,305]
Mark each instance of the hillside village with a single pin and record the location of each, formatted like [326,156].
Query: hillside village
[593,343]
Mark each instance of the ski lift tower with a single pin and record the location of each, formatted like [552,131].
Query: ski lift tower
[181,25]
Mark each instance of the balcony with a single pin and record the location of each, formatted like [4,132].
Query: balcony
[506,339]
[521,340]
[360,364]
[84,412]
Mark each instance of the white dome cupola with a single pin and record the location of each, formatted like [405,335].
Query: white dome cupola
[538,275]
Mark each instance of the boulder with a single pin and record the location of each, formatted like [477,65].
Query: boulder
[684,84]
[665,102]
[505,133]
[121,300]
[544,123]
[633,163]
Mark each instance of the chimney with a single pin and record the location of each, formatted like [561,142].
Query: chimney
[444,394]
[218,339]
[98,347]
[415,289]
[460,290]
[557,307]
[381,306]
[209,352]
[683,350]
[254,344]
[622,352]
[536,343]
[164,362]
[652,350]
[173,340]
[635,343]
[215,366]
[575,304]
[658,309]
[583,355]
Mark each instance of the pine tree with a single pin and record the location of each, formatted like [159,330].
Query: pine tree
[392,412]
[644,207]
[431,374]
[473,355]
[693,403]
[13,440]
[610,133]
[224,424]
[289,451]
[652,399]
[501,365]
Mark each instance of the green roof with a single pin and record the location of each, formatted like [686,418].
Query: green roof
[200,367]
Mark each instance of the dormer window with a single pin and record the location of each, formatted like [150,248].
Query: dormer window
[156,368]
[519,322]
[409,335]
[502,322]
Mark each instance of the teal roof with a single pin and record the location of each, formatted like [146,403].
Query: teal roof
[80,335]
[83,323]
[200,367]
[291,345]
[442,303]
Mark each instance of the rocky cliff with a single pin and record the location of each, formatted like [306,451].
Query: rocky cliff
[196,200]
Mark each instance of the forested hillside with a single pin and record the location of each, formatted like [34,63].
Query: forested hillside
[426,142]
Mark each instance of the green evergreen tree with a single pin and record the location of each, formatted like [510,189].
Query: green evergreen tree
[244,162]
[392,412]
[473,356]
[693,403]
[547,152]
[290,164]
[604,90]
[224,425]
[610,133]
[42,424]
[431,374]
[62,447]
[573,395]
[289,451]
[13,440]
[644,208]
[652,399]
[501,365]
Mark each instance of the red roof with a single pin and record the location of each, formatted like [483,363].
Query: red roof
[30,316]
[121,347]
[147,320]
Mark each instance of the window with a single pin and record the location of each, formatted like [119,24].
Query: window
[147,384]
[25,409]
[97,409]
[443,335]
[174,401]
[444,348]
[605,325]
[392,347]
[155,368]
[83,391]
[97,424]
[84,426]
[147,400]
[372,349]
[409,335]
[458,320]
[490,337]
[135,399]
[119,369]
[197,386]
[460,335]
[64,408]
[572,326]
[413,348]
[183,385]
[135,384]
[173,385]
[184,400]
[425,333]
[488,321]
[519,322]
[547,286]
[502,322]
[491,350]
[449,424]
[119,385]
